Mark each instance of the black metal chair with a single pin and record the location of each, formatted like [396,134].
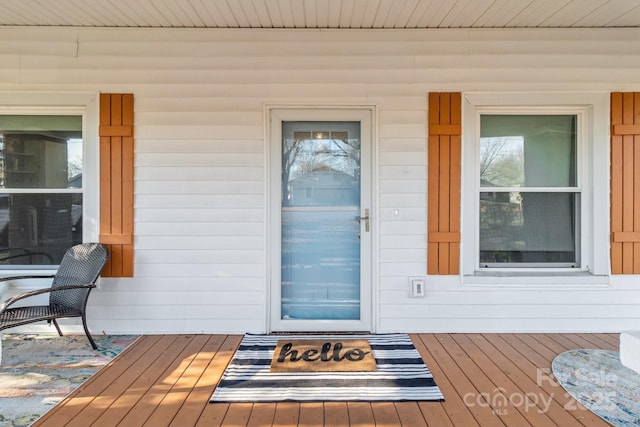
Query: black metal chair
[69,292]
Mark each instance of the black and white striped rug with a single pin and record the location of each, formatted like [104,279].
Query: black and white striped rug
[401,375]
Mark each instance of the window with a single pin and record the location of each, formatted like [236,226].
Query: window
[534,200]
[529,196]
[41,188]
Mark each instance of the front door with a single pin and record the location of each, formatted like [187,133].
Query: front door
[321,221]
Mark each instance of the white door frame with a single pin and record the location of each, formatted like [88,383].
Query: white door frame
[275,115]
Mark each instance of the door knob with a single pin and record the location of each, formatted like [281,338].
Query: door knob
[364,218]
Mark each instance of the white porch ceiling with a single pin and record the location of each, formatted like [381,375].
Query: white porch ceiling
[387,14]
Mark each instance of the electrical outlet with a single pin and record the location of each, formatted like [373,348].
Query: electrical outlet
[417,287]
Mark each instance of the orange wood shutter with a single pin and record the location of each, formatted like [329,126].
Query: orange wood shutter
[625,183]
[443,244]
[116,182]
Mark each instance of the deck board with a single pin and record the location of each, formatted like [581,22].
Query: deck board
[504,381]
[530,379]
[336,414]
[487,380]
[477,413]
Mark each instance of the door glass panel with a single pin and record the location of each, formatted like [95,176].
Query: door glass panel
[320,231]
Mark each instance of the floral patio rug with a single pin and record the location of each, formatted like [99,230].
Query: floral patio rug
[598,380]
[38,371]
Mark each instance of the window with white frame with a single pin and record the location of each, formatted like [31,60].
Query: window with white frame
[534,197]
[529,193]
[41,188]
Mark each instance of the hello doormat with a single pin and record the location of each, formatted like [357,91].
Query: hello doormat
[310,355]
[400,373]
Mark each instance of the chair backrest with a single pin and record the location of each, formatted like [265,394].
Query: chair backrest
[80,265]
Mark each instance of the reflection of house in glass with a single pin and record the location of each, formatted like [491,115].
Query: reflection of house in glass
[324,188]
[39,222]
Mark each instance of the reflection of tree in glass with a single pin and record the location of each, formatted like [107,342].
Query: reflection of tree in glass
[309,160]
[300,156]
[502,162]
[290,149]
[327,155]
[74,167]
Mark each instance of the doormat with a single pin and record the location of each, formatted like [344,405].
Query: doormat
[598,380]
[312,355]
[400,374]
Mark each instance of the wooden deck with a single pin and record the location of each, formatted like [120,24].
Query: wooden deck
[487,380]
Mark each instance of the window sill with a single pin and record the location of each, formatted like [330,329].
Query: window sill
[531,280]
[24,285]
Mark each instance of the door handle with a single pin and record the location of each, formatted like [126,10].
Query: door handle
[364,218]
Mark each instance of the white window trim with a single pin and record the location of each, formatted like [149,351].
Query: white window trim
[581,144]
[79,103]
[594,165]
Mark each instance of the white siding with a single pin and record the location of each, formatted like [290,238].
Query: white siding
[200,168]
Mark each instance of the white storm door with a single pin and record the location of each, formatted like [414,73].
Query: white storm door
[320,220]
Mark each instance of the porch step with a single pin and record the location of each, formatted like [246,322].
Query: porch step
[630,349]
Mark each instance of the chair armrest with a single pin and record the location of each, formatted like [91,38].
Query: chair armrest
[24,295]
[5,279]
